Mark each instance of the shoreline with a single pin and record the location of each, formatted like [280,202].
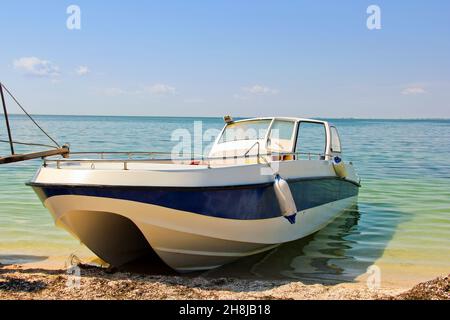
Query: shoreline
[18,282]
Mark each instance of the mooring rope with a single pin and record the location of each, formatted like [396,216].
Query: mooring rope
[30,144]
[29,116]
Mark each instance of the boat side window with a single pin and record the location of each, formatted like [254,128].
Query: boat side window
[311,140]
[335,140]
[245,130]
[281,136]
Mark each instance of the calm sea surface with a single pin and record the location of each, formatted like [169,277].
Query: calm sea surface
[401,223]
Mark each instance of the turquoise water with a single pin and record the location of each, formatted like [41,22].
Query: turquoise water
[401,223]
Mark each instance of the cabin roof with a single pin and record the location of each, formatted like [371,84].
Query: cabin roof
[284,118]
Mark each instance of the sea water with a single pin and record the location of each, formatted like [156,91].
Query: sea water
[400,228]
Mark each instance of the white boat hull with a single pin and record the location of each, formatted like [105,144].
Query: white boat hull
[193,218]
[185,241]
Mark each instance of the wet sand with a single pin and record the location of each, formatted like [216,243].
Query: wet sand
[34,282]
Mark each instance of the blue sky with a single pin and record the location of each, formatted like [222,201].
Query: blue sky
[245,58]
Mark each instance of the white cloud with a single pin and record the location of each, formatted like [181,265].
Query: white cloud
[82,71]
[260,90]
[36,67]
[160,89]
[413,91]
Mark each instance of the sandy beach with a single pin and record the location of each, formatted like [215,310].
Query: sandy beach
[33,282]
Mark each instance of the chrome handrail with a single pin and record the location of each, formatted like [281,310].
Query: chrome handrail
[249,149]
[169,153]
[126,162]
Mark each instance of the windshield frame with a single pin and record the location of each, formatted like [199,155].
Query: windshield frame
[269,126]
[293,139]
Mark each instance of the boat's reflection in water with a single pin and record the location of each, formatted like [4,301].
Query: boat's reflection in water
[326,256]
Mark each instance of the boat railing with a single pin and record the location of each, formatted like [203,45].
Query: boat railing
[154,157]
[128,154]
[250,149]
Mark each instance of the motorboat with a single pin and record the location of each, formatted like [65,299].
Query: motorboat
[258,187]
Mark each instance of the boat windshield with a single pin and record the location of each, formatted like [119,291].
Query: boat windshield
[281,136]
[245,130]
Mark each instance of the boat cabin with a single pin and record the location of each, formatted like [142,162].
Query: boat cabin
[246,141]
[282,138]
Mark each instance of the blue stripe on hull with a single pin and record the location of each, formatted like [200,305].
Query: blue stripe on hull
[243,202]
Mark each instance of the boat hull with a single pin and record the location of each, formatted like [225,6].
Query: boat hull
[185,241]
[193,218]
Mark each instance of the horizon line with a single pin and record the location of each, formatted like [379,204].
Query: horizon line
[215,117]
